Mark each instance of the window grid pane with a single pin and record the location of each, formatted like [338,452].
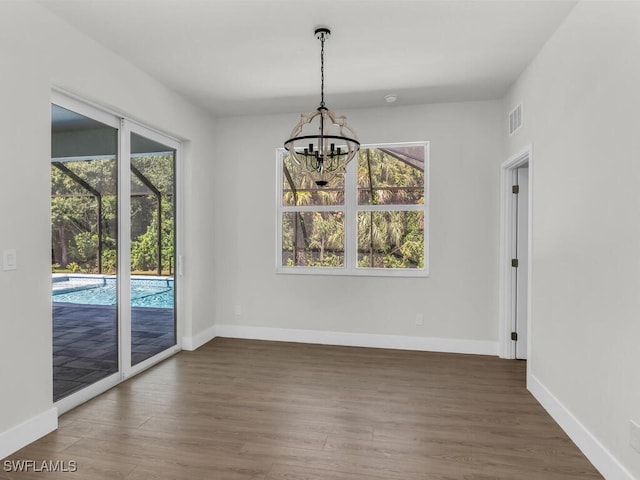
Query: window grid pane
[390,177]
[299,189]
[391,239]
[313,239]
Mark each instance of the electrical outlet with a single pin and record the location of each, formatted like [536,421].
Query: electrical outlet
[419,320]
[634,436]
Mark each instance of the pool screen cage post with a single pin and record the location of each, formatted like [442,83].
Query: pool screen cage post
[73,176]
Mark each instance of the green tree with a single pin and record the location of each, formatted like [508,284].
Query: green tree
[74,219]
[389,239]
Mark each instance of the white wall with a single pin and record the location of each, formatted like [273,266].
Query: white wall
[581,97]
[39,51]
[459,299]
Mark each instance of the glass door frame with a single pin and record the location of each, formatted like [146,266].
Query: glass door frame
[124,252]
[125,128]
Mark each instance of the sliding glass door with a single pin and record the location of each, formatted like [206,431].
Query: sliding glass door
[153,325]
[113,249]
[84,249]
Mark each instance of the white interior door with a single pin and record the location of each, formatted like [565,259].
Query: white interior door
[522,223]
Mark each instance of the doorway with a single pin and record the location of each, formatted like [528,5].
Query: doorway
[515,253]
[113,248]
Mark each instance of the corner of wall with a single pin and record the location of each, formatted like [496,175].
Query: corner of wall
[593,449]
[193,342]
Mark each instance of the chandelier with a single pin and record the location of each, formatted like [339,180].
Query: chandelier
[323,150]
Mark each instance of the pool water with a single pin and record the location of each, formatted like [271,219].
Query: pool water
[156,292]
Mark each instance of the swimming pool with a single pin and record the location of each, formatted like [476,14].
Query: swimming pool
[156,292]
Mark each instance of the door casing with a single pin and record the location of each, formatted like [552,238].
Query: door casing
[508,230]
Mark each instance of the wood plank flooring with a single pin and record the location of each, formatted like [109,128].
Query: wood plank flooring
[251,410]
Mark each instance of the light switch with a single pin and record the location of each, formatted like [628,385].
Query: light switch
[9,260]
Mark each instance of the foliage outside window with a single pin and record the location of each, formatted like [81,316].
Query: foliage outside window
[158,169]
[74,216]
[77,212]
[372,220]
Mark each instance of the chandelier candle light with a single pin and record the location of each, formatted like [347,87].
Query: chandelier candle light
[325,154]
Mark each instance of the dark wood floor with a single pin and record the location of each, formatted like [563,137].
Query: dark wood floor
[241,410]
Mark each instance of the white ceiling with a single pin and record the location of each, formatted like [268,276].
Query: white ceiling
[260,56]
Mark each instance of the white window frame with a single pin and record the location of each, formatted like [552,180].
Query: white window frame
[351,209]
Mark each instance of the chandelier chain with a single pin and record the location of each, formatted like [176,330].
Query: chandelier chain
[322,70]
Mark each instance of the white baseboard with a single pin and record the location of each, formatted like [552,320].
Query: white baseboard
[195,342]
[597,454]
[27,432]
[431,344]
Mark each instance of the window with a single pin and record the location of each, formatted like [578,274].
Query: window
[372,220]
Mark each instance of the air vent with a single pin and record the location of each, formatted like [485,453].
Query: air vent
[515,119]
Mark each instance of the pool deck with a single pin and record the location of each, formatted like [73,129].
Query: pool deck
[85,343]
